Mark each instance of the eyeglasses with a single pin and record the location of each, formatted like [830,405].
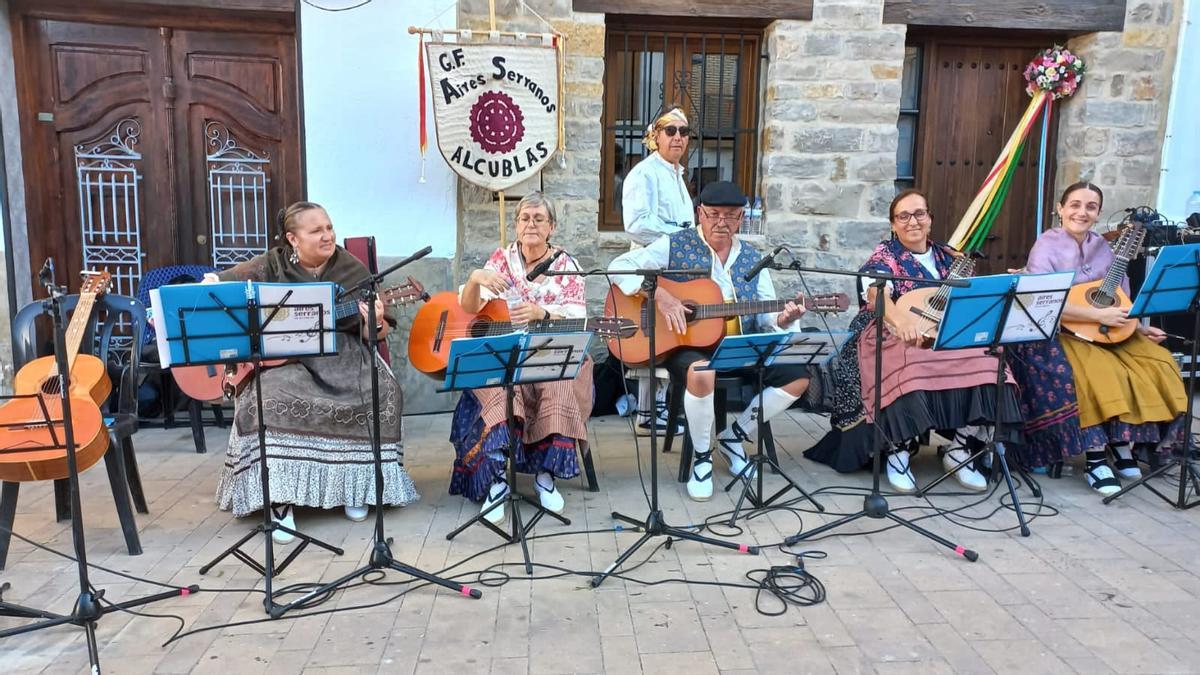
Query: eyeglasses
[671,131]
[904,216]
[730,219]
[539,220]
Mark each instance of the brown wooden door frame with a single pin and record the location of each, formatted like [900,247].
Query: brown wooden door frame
[42,160]
[931,89]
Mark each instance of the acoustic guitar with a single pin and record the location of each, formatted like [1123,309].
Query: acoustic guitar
[1107,292]
[88,374]
[32,433]
[706,322]
[214,381]
[929,304]
[441,320]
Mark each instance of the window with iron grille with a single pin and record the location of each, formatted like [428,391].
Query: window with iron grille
[910,114]
[713,74]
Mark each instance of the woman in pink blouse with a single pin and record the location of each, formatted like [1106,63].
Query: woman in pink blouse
[551,417]
[1078,396]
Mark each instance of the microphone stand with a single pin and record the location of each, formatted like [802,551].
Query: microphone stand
[653,525]
[381,552]
[875,505]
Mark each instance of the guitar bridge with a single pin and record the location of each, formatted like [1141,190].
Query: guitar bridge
[441,332]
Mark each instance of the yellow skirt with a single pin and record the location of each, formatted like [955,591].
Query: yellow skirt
[1136,381]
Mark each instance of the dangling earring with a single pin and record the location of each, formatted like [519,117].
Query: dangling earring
[294,258]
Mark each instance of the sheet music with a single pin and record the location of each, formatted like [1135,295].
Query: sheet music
[160,334]
[552,349]
[1042,296]
[294,330]
[738,352]
[212,334]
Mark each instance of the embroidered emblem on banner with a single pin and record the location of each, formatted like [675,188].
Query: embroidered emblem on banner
[495,109]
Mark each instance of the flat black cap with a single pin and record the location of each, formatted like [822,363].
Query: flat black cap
[722,193]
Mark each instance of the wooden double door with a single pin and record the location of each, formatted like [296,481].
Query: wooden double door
[973,94]
[151,145]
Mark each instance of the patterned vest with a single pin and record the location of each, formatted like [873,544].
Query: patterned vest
[688,251]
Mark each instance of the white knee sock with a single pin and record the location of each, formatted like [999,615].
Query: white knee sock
[700,415]
[773,400]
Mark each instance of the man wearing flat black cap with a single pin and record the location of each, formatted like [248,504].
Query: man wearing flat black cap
[714,247]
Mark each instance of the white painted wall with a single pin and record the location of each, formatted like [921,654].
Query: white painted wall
[359,74]
[1181,150]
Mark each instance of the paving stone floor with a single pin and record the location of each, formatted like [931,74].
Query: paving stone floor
[1095,589]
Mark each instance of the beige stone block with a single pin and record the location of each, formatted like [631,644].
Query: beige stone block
[883,71]
[819,91]
[1146,37]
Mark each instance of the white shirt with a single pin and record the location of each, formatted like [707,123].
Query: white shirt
[657,256]
[655,200]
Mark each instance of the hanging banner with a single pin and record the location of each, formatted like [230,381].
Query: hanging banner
[495,109]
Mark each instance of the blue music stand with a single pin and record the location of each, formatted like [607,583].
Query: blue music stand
[507,361]
[1172,286]
[994,311]
[758,352]
[225,323]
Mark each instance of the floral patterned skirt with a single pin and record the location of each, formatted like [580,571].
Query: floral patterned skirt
[550,428]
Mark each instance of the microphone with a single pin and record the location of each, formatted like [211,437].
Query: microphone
[414,257]
[540,268]
[767,260]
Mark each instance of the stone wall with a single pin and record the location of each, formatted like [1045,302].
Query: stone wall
[571,179]
[1111,131]
[829,135]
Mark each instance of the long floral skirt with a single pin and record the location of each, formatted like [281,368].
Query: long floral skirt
[550,428]
[317,415]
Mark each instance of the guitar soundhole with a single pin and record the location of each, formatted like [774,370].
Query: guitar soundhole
[50,386]
[691,316]
[478,328]
[1098,299]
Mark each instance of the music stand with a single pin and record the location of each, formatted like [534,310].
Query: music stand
[88,608]
[1173,286]
[381,557]
[508,361]
[758,352]
[875,505]
[654,524]
[202,317]
[982,315]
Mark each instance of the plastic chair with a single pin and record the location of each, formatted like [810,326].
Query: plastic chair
[120,410]
[170,395]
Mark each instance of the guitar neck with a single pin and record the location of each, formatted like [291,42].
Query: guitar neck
[1113,279]
[76,328]
[543,326]
[727,310]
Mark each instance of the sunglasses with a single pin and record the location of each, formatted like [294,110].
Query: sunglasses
[683,131]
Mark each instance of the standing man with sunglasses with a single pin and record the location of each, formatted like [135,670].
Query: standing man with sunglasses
[654,202]
[713,246]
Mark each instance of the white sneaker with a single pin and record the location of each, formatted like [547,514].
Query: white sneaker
[734,453]
[966,476]
[497,494]
[699,486]
[551,499]
[899,474]
[285,518]
[356,513]
[1101,479]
